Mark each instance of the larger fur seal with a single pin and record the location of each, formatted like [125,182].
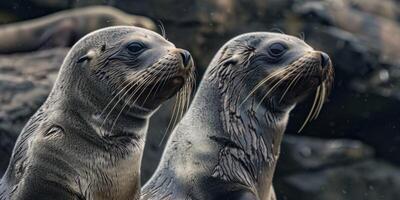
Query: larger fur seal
[87,139]
[227,144]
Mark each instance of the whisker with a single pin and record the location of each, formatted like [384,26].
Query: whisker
[181,105]
[115,105]
[171,119]
[192,88]
[115,96]
[293,82]
[161,25]
[152,88]
[161,85]
[141,87]
[137,83]
[180,95]
[262,82]
[276,85]
[186,99]
[127,91]
[311,110]
[321,101]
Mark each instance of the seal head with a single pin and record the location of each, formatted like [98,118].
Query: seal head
[139,62]
[277,69]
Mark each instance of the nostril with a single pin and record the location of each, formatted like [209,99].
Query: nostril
[185,57]
[324,59]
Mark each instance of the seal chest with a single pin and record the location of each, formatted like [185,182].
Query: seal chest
[240,113]
[86,141]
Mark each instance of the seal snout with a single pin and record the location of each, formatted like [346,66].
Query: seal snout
[325,60]
[186,57]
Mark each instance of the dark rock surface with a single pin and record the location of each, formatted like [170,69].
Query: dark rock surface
[369,180]
[304,153]
[25,82]
[315,169]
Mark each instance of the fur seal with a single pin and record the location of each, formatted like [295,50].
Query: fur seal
[227,144]
[63,28]
[86,141]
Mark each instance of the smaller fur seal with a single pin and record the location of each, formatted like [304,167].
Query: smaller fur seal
[86,141]
[228,142]
[64,28]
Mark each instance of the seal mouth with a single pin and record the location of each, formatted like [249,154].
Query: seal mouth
[154,94]
[170,88]
[180,80]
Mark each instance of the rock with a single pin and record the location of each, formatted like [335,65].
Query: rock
[366,90]
[59,4]
[25,82]
[339,169]
[378,33]
[369,180]
[384,8]
[309,154]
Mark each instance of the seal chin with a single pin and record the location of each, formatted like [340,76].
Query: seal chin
[303,89]
[159,93]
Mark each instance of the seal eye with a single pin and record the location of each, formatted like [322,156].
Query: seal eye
[135,47]
[277,49]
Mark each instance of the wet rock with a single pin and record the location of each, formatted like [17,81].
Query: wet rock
[305,153]
[369,180]
[25,82]
[378,33]
[59,4]
[339,169]
[365,95]
[386,8]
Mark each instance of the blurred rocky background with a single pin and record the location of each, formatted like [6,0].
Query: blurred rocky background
[351,152]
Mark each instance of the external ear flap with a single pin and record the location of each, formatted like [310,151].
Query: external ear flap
[90,54]
[82,59]
[232,60]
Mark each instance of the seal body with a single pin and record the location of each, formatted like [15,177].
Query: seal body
[227,144]
[63,28]
[86,140]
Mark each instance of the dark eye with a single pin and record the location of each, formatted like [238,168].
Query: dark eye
[277,49]
[136,47]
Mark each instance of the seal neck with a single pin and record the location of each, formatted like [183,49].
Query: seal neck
[248,128]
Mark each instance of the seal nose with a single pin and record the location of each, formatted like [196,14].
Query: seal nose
[324,59]
[186,57]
